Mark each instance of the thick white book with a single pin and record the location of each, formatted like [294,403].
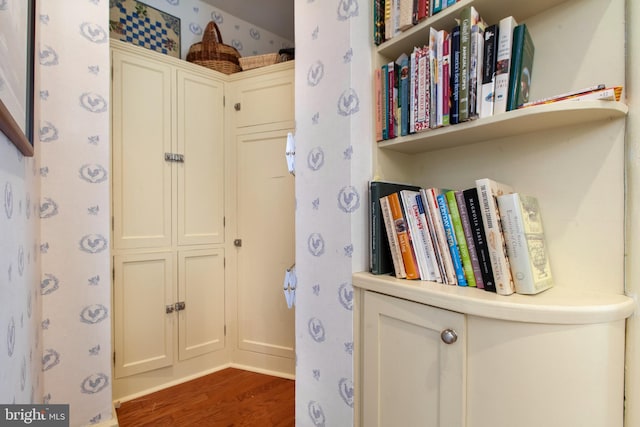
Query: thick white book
[429,196]
[503,62]
[419,235]
[488,192]
[526,245]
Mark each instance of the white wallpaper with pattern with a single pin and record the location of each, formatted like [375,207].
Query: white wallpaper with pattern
[333,166]
[73,130]
[195,15]
[21,378]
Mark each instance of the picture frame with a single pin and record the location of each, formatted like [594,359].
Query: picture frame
[17,73]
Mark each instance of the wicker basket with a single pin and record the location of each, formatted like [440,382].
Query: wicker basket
[214,54]
[250,62]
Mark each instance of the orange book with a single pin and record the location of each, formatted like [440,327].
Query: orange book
[408,257]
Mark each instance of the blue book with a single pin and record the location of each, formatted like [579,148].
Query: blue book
[385,101]
[454,116]
[403,92]
[451,240]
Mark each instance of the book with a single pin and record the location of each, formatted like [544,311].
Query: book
[431,238]
[503,61]
[429,196]
[403,93]
[379,103]
[408,257]
[468,235]
[405,14]
[488,192]
[454,117]
[420,238]
[385,100]
[446,77]
[475,66]
[434,80]
[472,203]
[564,95]
[526,246]
[608,94]
[392,93]
[488,70]
[451,240]
[378,22]
[380,260]
[465,57]
[423,101]
[461,240]
[413,93]
[392,236]
[522,53]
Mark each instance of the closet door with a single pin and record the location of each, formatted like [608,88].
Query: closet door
[266,224]
[141,135]
[200,115]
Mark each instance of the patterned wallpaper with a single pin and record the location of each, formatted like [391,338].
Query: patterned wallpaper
[21,378]
[333,150]
[195,15]
[73,129]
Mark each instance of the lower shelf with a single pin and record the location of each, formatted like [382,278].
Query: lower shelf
[557,305]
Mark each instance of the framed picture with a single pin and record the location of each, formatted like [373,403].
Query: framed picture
[137,23]
[17,20]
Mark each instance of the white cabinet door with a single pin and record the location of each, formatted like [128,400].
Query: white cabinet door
[144,285]
[410,377]
[201,288]
[201,177]
[141,135]
[266,101]
[266,225]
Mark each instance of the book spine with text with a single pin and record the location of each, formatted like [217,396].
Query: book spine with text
[503,60]
[403,93]
[422,116]
[461,241]
[392,236]
[430,197]
[379,102]
[451,239]
[472,202]
[488,192]
[446,78]
[385,100]
[418,234]
[526,247]
[465,57]
[488,70]
[408,257]
[454,117]
[430,239]
[468,237]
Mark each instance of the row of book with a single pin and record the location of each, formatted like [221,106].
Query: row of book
[391,17]
[471,71]
[486,236]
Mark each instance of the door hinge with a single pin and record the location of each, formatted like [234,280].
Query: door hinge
[114,358]
[237,106]
[224,101]
[225,330]
[224,221]
[113,273]
[113,223]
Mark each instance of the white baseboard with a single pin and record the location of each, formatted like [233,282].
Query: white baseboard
[263,371]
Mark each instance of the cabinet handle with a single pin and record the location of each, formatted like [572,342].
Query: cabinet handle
[174,157]
[180,306]
[169,309]
[449,336]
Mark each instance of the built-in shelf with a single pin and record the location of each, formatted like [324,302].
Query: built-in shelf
[558,305]
[516,122]
[490,10]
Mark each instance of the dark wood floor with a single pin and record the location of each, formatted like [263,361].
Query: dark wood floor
[228,398]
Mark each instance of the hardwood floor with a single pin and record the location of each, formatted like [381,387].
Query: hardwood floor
[228,398]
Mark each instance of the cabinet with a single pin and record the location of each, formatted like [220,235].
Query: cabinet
[168,211]
[263,327]
[543,359]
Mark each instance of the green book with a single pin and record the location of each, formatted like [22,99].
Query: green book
[522,52]
[458,230]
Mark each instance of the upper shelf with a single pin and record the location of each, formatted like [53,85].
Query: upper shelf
[490,10]
[511,123]
[557,305]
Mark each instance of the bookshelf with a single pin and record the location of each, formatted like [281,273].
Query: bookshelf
[526,351]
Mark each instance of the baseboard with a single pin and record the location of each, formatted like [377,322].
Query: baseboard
[262,371]
[113,422]
[169,384]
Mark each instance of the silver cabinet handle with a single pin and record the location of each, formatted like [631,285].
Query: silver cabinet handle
[169,309]
[449,336]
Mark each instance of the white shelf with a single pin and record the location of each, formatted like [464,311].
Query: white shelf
[490,10]
[516,122]
[555,306]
